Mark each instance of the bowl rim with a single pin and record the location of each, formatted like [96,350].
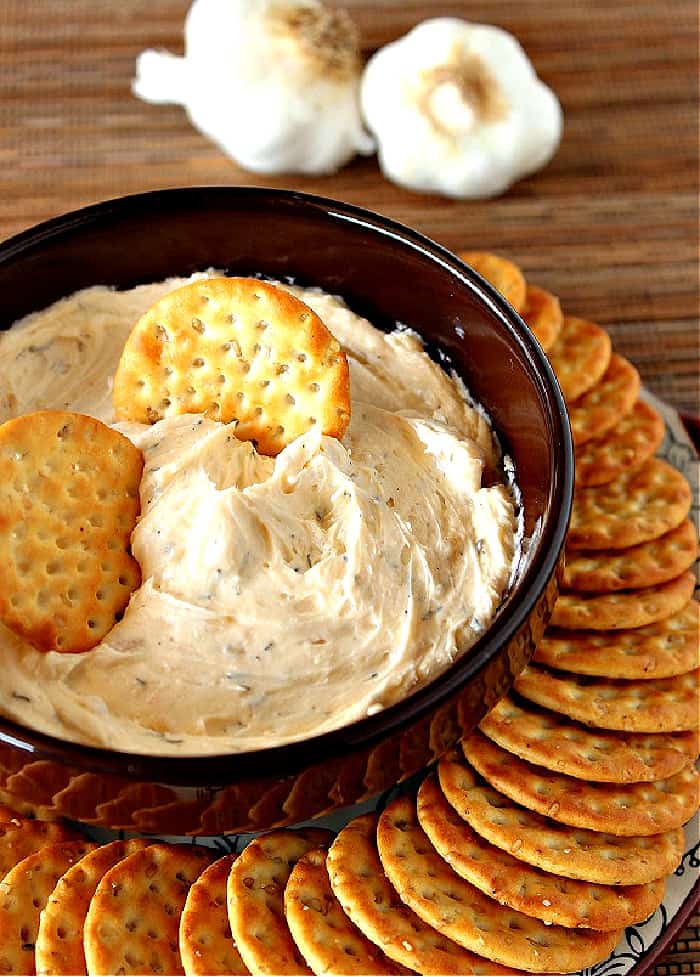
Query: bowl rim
[196,770]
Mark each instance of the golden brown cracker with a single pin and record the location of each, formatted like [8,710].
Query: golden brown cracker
[575,853]
[206,944]
[665,705]
[530,890]
[639,505]
[623,608]
[241,351]
[434,891]
[618,809]
[132,924]
[580,356]
[634,439]
[645,565]
[502,273]
[328,940]
[23,894]
[542,312]
[255,894]
[553,741]
[598,410]
[660,650]
[21,837]
[362,888]
[59,942]
[70,502]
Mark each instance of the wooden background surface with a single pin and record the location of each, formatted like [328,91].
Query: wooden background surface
[611,225]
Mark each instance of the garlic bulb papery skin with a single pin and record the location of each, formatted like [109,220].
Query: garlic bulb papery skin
[457,109]
[274,83]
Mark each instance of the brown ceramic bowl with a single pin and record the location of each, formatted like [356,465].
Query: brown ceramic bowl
[388,273]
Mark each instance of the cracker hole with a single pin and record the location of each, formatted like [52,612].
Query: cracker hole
[197,362]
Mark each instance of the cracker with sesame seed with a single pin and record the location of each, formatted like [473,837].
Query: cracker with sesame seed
[20,837]
[665,705]
[131,926]
[239,350]
[434,891]
[206,944]
[639,505]
[505,276]
[70,501]
[618,809]
[24,892]
[553,741]
[365,893]
[329,942]
[255,896]
[598,410]
[660,650]
[530,890]
[580,356]
[59,942]
[542,312]
[634,439]
[575,853]
[623,609]
[655,561]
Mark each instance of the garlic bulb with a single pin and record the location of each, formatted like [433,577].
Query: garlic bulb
[457,109]
[274,82]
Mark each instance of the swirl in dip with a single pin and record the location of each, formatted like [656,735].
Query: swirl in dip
[281,597]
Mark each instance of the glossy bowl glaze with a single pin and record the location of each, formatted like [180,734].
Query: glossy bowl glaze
[389,274]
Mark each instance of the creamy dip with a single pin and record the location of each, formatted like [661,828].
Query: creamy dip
[281,597]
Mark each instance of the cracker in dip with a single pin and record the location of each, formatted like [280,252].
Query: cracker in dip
[281,597]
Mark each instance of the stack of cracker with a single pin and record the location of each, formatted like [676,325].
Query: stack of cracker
[529,849]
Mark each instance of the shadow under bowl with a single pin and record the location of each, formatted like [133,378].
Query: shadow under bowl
[389,274]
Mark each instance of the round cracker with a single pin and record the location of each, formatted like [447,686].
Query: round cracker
[623,609]
[70,502]
[327,938]
[434,891]
[530,890]
[205,940]
[360,884]
[598,410]
[617,809]
[59,942]
[660,650]
[634,439]
[639,505]
[24,893]
[239,350]
[542,312]
[575,853]
[20,837]
[654,562]
[663,705]
[131,926]
[505,276]
[580,356]
[557,743]
[255,895]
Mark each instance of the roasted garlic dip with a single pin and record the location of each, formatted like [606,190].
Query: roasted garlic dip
[281,597]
